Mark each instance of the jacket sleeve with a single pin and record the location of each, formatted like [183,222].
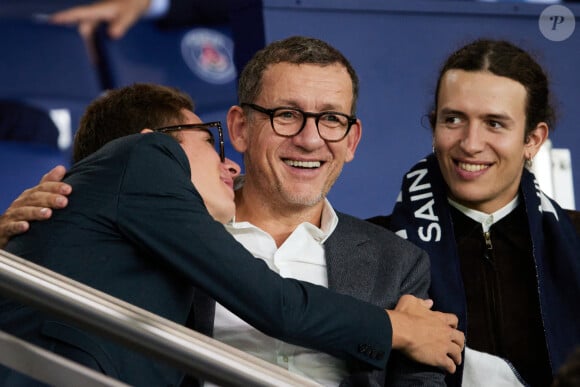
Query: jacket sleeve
[414,266]
[160,211]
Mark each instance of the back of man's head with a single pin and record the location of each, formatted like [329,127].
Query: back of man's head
[128,110]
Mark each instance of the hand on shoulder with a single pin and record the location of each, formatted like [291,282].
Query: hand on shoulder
[426,336]
[35,203]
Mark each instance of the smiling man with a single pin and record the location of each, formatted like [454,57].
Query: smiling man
[296,127]
[144,224]
[504,257]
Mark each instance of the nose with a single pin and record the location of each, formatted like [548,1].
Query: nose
[472,140]
[309,138]
[233,168]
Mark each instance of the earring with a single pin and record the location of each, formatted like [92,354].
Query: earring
[529,162]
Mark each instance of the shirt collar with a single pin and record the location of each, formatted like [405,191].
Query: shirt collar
[486,220]
[328,223]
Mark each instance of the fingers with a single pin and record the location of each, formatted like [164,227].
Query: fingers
[451,320]
[44,195]
[76,15]
[118,27]
[428,303]
[458,338]
[120,14]
[456,347]
[8,229]
[87,29]
[455,351]
[449,365]
[427,336]
[455,355]
[35,204]
[55,174]
[88,17]
[128,13]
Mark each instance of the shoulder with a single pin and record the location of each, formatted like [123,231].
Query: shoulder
[381,220]
[125,159]
[374,234]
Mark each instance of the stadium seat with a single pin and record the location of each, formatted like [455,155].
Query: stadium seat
[198,61]
[49,67]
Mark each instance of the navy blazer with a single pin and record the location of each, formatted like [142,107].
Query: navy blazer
[136,228]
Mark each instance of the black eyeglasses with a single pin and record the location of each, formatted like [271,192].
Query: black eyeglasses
[201,126]
[288,122]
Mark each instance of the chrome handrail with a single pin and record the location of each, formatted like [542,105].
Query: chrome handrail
[137,328]
[48,367]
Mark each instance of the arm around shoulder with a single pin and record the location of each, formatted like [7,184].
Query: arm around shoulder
[183,235]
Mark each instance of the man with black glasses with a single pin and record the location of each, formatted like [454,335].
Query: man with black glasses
[296,127]
[144,224]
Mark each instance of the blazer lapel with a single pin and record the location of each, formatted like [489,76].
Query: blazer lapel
[351,265]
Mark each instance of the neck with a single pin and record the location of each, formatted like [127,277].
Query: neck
[278,219]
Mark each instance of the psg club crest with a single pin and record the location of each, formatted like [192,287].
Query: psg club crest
[209,54]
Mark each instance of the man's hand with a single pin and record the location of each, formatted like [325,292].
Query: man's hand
[35,204]
[120,14]
[426,336]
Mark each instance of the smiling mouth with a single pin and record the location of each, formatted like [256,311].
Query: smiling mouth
[472,167]
[303,164]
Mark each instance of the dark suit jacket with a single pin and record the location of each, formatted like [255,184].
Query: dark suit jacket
[136,228]
[379,267]
[374,265]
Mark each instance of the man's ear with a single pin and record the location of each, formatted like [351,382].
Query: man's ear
[353,138]
[237,126]
[146,130]
[536,139]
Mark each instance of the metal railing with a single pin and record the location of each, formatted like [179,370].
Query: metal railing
[139,329]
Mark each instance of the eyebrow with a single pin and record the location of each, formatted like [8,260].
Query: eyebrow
[499,117]
[493,116]
[328,107]
[447,111]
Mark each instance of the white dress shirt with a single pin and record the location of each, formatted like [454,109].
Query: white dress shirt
[301,256]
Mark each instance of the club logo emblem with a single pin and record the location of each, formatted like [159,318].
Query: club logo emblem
[209,54]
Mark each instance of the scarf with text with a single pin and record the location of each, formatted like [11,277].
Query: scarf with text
[422,215]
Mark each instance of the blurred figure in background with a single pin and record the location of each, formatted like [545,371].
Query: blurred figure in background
[244,17]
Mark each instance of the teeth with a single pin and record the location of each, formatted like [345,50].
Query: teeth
[472,167]
[303,164]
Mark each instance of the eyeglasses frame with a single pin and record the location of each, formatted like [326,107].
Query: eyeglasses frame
[270,112]
[203,126]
